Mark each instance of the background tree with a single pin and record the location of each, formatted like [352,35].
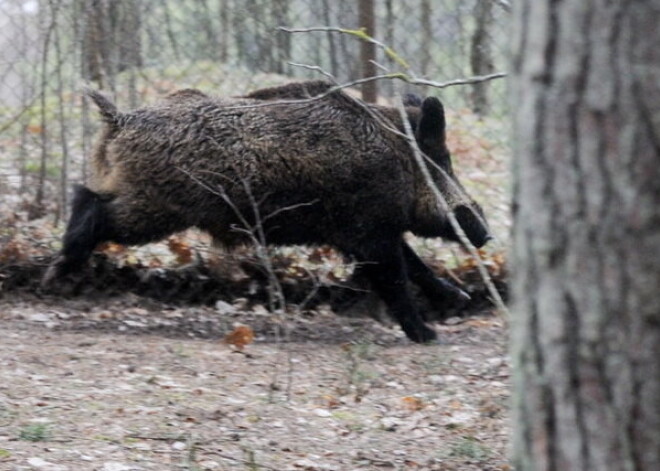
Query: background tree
[481,54]
[586,325]
[367,20]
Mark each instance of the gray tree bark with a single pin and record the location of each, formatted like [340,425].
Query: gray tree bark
[586,320]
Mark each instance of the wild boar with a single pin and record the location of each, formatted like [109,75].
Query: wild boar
[441,293]
[314,171]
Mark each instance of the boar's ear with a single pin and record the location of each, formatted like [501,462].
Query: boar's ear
[431,126]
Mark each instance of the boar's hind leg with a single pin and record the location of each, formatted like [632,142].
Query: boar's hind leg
[385,267]
[442,294]
[88,226]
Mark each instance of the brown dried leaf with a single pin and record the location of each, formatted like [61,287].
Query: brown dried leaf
[181,249]
[110,248]
[413,403]
[240,337]
[331,402]
[13,251]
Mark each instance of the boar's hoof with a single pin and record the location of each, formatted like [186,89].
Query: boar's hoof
[59,269]
[454,296]
[420,333]
[52,273]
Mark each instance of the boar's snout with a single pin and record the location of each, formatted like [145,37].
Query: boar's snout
[473,225]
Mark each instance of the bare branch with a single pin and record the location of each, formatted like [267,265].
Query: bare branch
[396,76]
[461,81]
[255,233]
[288,208]
[314,68]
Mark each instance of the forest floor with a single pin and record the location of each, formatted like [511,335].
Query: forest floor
[125,382]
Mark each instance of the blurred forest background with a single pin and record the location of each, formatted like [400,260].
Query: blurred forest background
[138,50]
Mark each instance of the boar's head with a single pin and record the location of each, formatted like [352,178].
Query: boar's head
[432,221]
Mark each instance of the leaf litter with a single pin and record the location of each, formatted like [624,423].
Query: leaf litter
[244,390]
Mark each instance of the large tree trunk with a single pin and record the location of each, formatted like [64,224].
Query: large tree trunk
[586,321]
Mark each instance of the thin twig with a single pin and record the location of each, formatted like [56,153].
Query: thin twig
[358,33]
[257,235]
[314,68]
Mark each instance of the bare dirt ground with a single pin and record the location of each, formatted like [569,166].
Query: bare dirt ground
[127,383]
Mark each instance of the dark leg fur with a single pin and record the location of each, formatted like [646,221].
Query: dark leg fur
[88,226]
[441,293]
[385,267]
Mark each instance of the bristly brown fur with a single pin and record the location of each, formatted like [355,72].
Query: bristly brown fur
[321,171]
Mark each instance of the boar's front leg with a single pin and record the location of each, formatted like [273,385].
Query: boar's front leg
[441,293]
[385,267]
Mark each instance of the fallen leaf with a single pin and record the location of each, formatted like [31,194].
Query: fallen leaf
[181,249]
[240,337]
[111,248]
[413,403]
[331,402]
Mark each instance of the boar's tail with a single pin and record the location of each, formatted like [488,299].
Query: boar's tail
[108,109]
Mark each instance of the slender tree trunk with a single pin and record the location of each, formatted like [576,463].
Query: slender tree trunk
[332,47]
[169,30]
[424,53]
[37,209]
[259,58]
[481,54]
[98,41]
[426,44]
[586,325]
[87,131]
[130,46]
[350,64]
[27,91]
[224,31]
[282,39]
[390,24]
[265,51]
[367,19]
[23,157]
[91,49]
[204,21]
[127,34]
[239,29]
[64,139]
